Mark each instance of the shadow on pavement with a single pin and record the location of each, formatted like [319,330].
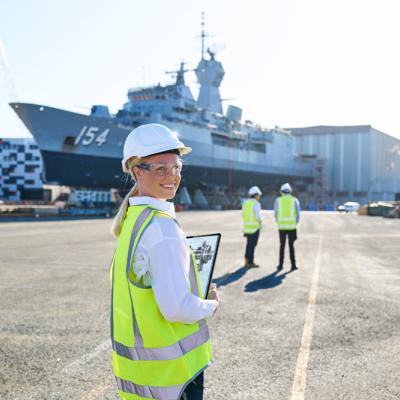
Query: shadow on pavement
[267,282]
[230,277]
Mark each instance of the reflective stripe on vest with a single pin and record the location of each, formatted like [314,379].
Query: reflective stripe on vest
[287,213]
[147,392]
[146,367]
[250,221]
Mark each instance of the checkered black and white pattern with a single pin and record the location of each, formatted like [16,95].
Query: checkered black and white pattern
[21,167]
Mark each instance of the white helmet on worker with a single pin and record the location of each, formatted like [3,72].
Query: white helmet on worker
[286,188]
[149,139]
[255,190]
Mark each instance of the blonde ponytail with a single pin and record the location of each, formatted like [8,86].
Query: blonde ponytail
[119,218]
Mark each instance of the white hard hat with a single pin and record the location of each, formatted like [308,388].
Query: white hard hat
[254,190]
[286,188]
[149,139]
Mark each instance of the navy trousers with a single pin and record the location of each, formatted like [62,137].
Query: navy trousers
[292,236]
[195,389]
[252,240]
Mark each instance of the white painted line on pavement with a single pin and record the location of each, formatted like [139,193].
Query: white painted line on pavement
[300,377]
[81,361]
[73,368]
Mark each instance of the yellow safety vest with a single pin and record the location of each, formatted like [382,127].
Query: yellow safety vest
[286,213]
[152,358]
[250,221]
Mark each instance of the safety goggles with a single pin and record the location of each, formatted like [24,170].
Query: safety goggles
[162,169]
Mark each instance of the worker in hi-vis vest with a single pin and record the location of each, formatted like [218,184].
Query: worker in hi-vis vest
[252,221]
[159,328]
[287,216]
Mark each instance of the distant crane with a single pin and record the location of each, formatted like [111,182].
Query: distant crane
[10,89]
[6,76]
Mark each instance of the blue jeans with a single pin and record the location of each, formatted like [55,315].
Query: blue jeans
[195,389]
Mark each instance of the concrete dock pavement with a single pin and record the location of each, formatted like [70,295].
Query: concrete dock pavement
[330,330]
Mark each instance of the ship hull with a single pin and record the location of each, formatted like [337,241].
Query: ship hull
[104,172]
[85,151]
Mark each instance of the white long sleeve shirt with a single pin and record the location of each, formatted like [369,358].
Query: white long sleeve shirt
[257,211]
[162,259]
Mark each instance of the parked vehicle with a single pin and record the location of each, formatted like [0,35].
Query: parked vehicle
[349,206]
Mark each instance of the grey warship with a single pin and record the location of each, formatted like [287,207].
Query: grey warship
[85,150]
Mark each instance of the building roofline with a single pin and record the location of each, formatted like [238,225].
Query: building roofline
[330,129]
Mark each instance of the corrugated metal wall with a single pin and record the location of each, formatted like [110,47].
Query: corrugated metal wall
[361,161]
[385,165]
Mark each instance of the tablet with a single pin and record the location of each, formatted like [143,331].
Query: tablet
[205,249]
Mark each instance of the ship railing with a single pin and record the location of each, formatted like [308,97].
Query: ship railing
[261,137]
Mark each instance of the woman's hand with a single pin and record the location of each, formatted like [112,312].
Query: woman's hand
[213,293]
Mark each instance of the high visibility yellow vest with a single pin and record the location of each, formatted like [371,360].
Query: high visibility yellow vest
[286,213]
[250,221]
[152,358]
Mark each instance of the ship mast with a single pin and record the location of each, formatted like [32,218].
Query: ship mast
[180,74]
[203,35]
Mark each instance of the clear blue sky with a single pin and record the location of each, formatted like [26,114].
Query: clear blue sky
[287,62]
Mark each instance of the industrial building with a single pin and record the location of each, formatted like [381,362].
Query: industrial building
[358,163]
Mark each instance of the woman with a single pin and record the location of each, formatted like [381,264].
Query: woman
[159,330]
